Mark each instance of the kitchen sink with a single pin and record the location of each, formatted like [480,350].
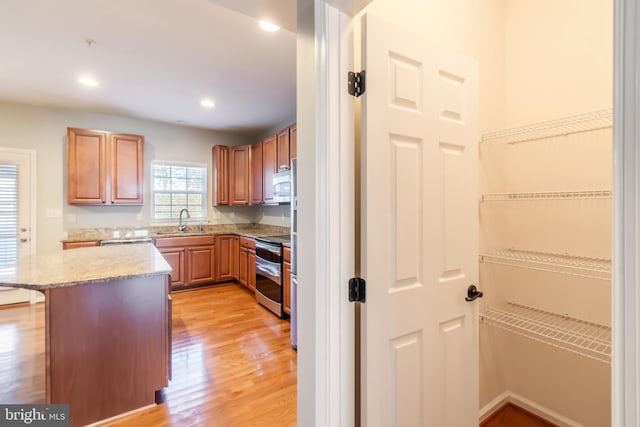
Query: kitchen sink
[179,233]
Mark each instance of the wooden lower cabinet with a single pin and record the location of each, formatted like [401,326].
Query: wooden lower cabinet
[286,281]
[226,257]
[251,268]
[247,263]
[192,259]
[201,262]
[243,271]
[175,258]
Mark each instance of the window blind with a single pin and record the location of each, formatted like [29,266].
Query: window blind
[8,215]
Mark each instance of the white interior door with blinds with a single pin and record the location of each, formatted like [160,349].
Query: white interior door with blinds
[15,215]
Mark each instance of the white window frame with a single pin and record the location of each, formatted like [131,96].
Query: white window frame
[205,196]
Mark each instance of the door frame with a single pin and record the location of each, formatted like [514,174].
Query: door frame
[31,158]
[316,43]
[625,358]
[326,324]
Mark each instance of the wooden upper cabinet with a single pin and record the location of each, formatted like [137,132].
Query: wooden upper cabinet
[220,175]
[268,167]
[86,166]
[293,141]
[127,163]
[256,189]
[239,175]
[104,167]
[283,161]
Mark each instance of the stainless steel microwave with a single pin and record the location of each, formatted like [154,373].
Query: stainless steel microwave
[282,186]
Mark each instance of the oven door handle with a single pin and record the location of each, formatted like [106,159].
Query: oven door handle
[268,270]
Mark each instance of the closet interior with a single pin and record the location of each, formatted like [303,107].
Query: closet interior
[545,223]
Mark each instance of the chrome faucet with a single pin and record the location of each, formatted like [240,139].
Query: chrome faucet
[181,226]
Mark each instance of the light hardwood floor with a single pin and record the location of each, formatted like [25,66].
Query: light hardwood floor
[233,364]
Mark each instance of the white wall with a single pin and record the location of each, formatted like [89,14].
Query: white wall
[44,130]
[559,58]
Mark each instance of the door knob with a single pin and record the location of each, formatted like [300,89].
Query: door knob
[473,293]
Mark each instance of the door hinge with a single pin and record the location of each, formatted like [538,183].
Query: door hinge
[357,289]
[356,83]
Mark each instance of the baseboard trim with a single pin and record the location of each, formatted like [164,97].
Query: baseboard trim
[526,404]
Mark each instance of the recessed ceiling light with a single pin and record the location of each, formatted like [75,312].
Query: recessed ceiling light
[88,81]
[207,103]
[268,26]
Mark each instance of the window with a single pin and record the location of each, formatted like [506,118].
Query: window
[8,215]
[175,186]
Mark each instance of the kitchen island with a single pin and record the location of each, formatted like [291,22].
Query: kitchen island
[107,326]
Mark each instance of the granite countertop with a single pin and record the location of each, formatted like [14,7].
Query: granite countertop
[85,265]
[246,230]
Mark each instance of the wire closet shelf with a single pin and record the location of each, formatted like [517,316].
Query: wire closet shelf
[595,120]
[591,268]
[547,195]
[578,336]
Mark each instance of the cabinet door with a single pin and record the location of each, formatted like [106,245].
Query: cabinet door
[86,166]
[126,172]
[220,175]
[256,174]
[201,265]
[268,167]
[175,257]
[235,256]
[224,258]
[243,274]
[251,269]
[293,141]
[239,175]
[283,159]
[286,287]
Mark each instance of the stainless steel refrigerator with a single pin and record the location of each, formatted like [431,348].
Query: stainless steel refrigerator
[294,253]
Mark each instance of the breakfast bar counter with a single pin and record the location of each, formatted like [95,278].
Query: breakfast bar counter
[107,326]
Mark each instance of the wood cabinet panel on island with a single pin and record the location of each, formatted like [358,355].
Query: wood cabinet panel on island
[104,168]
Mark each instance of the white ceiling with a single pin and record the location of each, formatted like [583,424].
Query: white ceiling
[154,59]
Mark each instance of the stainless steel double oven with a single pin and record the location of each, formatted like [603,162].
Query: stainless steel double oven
[269,257]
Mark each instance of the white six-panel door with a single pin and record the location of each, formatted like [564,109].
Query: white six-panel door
[419,222]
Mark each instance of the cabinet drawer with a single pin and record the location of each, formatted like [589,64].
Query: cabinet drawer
[287,254]
[167,242]
[246,242]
